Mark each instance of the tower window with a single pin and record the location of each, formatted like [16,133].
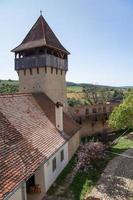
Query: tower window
[94,110]
[30,71]
[54,164]
[56,71]
[52,70]
[37,70]
[61,72]
[87,111]
[24,71]
[45,69]
[104,109]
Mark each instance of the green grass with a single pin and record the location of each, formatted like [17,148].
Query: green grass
[85,181]
[60,180]
[74,89]
[122,145]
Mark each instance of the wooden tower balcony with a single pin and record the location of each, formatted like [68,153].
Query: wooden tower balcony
[44,60]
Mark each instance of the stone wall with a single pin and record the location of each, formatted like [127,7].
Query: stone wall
[88,129]
[73,145]
[48,80]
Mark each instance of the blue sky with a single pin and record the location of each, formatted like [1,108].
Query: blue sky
[98,33]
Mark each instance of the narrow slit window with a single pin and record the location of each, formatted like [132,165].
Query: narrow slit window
[54,164]
[62,155]
[24,72]
[56,71]
[30,71]
[37,70]
[52,70]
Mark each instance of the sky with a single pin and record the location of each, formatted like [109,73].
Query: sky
[98,33]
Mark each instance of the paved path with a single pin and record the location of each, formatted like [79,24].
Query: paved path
[116,183]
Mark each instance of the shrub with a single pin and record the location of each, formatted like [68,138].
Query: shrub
[87,153]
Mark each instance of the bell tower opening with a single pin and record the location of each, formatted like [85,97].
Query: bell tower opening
[42,62]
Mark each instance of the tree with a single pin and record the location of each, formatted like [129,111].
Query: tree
[118,94]
[122,116]
[91,93]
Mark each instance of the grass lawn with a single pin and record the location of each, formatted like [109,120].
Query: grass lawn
[84,182]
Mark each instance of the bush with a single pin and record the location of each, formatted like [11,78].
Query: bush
[87,153]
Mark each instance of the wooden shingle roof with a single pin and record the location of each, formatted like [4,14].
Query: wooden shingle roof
[40,35]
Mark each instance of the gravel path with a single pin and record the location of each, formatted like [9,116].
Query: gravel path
[116,182]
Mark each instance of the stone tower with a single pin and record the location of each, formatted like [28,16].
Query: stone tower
[42,62]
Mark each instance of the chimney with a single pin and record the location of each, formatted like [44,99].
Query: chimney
[59,116]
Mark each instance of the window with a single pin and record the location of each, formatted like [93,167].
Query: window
[24,72]
[87,111]
[30,71]
[94,110]
[99,110]
[56,71]
[104,109]
[54,164]
[37,70]
[52,70]
[62,155]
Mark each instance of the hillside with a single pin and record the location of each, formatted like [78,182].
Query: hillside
[8,86]
[78,93]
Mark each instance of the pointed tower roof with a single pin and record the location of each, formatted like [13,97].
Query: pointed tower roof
[40,35]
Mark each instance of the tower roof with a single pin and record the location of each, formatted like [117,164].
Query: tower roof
[40,35]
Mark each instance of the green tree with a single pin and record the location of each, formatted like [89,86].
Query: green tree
[122,116]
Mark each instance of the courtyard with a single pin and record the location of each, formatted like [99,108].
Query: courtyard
[111,178]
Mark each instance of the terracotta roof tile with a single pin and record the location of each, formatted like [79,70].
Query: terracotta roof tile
[28,137]
[70,126]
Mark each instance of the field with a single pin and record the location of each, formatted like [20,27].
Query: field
[74,89]
[8,86]
[77,94]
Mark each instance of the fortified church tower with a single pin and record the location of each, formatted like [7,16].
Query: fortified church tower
[42,62]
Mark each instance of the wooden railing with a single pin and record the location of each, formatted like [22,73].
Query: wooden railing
[41,61]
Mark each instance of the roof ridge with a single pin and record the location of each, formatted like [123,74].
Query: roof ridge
[43,29]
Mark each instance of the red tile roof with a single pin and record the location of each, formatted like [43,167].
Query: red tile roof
[28,137]
[40,35]
[70,127]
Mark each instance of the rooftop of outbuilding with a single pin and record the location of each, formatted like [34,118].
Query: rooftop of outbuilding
[28,136]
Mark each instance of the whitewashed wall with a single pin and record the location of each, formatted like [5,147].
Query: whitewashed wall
[51,176]
[17,195]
